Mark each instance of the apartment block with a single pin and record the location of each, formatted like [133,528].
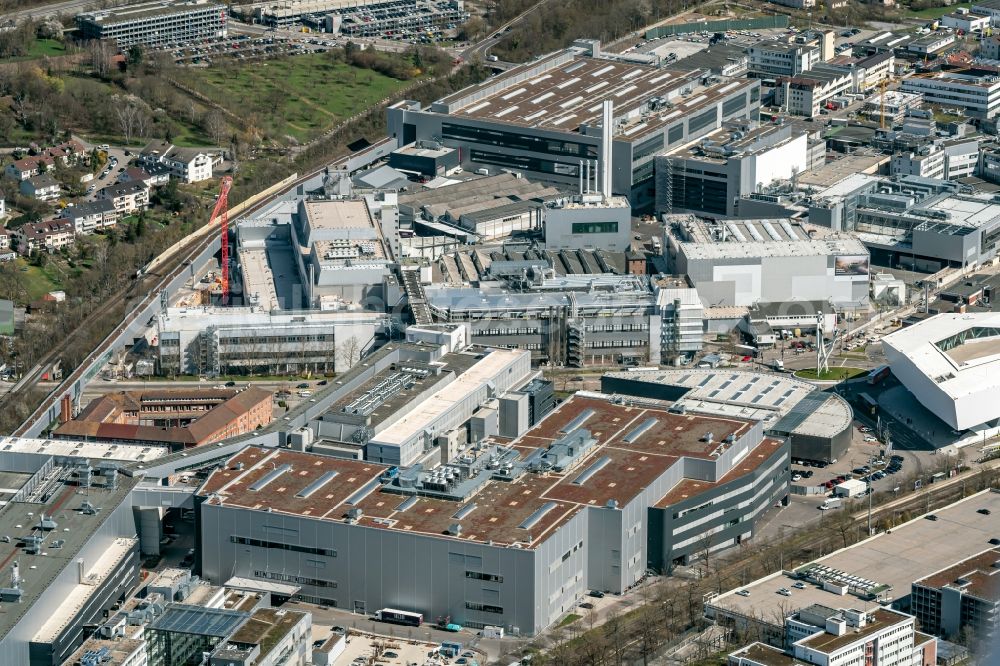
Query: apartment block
[127,198]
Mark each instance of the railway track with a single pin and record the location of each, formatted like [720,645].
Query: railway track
[150,284]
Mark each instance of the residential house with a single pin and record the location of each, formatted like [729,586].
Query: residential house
[190,165]
[36,236]
[66,154]
[6,254]
[90,216]
[127,198]
[42,187]
[154,176]
[28,167]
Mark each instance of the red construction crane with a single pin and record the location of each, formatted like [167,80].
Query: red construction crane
[221,211]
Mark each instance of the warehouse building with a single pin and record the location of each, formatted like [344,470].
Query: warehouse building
[343,253]
[711,175]
[244,340]
[816,423]
[179,418]
[410,434]
[155,23]
[509,535]
[746,262]
[543,118]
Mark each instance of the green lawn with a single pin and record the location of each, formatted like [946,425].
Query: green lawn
[937,12]
[834,375]
[42,48]
[37,281]
[569,619]
[298,97]
[47,47]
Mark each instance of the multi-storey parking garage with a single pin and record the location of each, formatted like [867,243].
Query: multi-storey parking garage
[155,23]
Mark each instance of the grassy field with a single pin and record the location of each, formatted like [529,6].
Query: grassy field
[834,375]
[937,12]
[37,281]
[295,98]
[47,47]
[42,48]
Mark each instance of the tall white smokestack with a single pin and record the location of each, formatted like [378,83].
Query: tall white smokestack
[606,140]
[581,177]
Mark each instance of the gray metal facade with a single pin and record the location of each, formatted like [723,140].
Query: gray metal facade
[723,516]
[633,159]
[363,569]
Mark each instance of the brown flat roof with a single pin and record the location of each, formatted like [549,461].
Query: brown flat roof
[770,656]
[658,440]
[980,573]
[234,486]
[690,487]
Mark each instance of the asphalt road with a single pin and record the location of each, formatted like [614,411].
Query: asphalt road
[66,8]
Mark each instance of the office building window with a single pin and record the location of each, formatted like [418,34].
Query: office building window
[595,227]
[494,578]
[485,608]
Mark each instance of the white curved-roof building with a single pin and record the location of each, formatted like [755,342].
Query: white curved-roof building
[951,364]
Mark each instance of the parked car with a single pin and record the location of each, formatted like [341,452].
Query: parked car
[303,385]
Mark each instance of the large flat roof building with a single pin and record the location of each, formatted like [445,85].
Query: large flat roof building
[241,340]
[155,23]
[72,552]
[750,261]
[543,118]
[518,519]
[978,92]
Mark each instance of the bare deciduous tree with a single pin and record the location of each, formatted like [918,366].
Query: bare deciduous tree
[100,52]
[214,125]
[128,110]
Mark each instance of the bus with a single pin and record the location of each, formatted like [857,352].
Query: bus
[878,374]
[393,616]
